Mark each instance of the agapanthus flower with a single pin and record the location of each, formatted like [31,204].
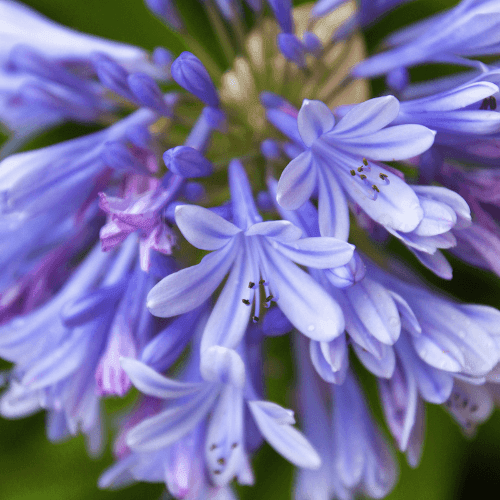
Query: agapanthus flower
[206,219]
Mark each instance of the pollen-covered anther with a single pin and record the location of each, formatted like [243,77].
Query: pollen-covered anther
[365,162]
[255,319]
[362,177]
[251,284]
[360,169]
[221,461]
[384,177]
[246,302]
[353,172]
[375,188]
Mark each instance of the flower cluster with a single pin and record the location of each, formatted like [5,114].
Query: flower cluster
[128,260]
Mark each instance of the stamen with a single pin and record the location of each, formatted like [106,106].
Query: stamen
[493,103]
[262,282]
[365,162]
[375,188]
[353,172]
[484,104]
[217,472]
[362,177]
[221,461]
[212,448]
[234,445]
[474,408]
[245,301]
[360,169]
[251,284]
[268,299]
[255,319]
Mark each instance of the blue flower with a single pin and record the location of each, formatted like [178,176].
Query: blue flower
[470,29]
[339,160]
[223,391]
[258,254]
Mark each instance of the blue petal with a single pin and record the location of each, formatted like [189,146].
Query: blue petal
[367,118]
[436,262]
[188,288]
[297,182]
[382,367]
[391,143]
[314,120]
[222,366]
[280,230]
[229,319]
[285,439]
[333,212]
[320,252]
[376,309]
[152,383]
[330,359]
[172,424]
[203,228]
[303,301]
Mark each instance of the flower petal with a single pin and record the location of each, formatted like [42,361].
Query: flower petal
[223,366]
[172,424]
[203,228]
[229,319]
[319,252]
[391,143]
[285,439]
[281,230]
[303,301]
[152,383]
[297,182]
[188,288]
[314,120]
[367,117]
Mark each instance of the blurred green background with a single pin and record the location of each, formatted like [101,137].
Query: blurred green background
[452,467]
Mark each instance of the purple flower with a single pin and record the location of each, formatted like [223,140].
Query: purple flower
[339,160]
[258,254]
[470,29]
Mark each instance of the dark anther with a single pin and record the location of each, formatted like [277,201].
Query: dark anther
[484,104]
[365,162]
[262,282]
[221,461]
[362,177]
[474,408]
[255,319]
[456,396]
[245,301]
[383,176]
[375,188]
[493,103]
[468,424]
[234,445]
[360,169]
[353,172]
[268,299]
[251,284]
[448,403]
[465,402]
[217,471]
[212,448]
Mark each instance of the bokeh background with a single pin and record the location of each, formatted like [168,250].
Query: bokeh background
[452,467]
